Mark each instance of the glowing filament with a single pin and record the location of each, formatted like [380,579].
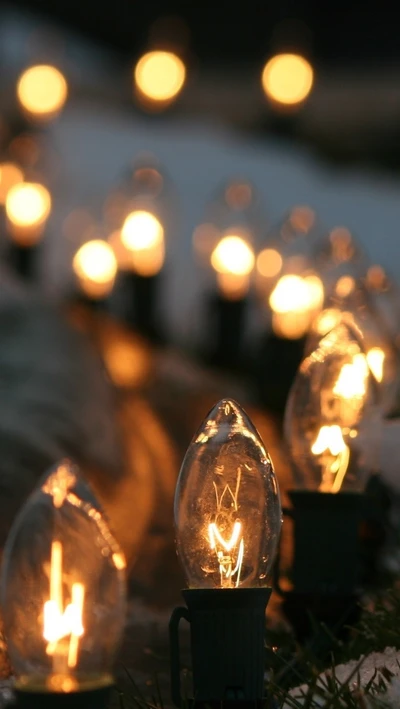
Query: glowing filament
[59,623]
[224,557]
[376,359]
[351,382]
[330,442]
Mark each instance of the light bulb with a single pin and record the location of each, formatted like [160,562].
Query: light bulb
[159,78]
[28,206]
[62,589]
[287,79]
[42,91]
[227,504]
[333,397]
[95,267]
[233,261]
[142,234]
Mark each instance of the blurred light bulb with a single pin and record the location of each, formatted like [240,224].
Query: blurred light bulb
[294,301]
[10,175]
[143,235]
[233,260]
[159,77]
[287,79]
[345,286]
[326,321]
[333,396]
[95,267]
[227,505]
[42,91]
[28,205]
[269,263]
[63,589]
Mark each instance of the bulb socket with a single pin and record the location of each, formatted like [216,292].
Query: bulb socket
[227,640]
[86,699]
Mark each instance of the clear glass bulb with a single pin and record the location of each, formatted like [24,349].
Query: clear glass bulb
[227,504]
[331,412]
[62,588]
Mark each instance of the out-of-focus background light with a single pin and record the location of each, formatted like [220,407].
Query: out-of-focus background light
[159,78]
[287,79]
[42,91]
[10,175]
[28,205]
[233,260]
[95,267]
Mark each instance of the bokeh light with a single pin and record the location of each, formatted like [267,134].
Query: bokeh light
[233,260]
[10,175]
[95,266]
[143,235]
[345,286]
[269,263]
[28,205]
[42,91]
[287,79]
[160,76]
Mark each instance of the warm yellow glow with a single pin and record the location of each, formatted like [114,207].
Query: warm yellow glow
[330,442]
[345,286]
[42,91]
[143,235]
[327,320]
[351,383]
[297,294]
[269,263]
[233,260]
[160,76]
[376,358]
[95,266]
[233,255]
[291,325]
[59,623]
[10,175]
[28,205]
[377,278]
[287,79]
[128,360]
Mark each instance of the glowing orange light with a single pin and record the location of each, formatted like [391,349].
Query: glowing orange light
[269,263]
[327,320]
[42,91]
[351,383]
[10,175]
[233,260]
[59,623]
[160,76]
[95,266]
[143,235]
[28,205]
[345,286]
[294,302]
[302,218]
[376,358]
[376,277]
[287,79]
[330,443]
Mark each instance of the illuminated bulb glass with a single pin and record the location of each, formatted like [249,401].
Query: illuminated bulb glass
[143,235]
[287,79]
[62,589]
[334,395]
[28,205]
[42,91]
[227,505]
[233,260]
[95,267]
[294,302]
[160,76]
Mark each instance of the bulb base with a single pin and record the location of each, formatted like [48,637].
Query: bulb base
[142,297]
[225,326]
[23,260]
[282,357]
[326,548]
[86,699]
[227,629]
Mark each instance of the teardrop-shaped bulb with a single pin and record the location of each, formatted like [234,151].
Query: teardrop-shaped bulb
[227,504]
[62,588]
[333,400]
[350,297]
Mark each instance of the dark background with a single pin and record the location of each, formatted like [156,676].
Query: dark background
[351,34]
